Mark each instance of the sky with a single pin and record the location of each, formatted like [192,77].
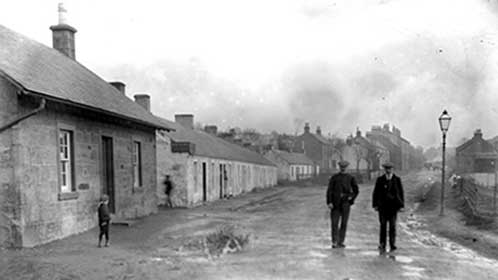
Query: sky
[276,64]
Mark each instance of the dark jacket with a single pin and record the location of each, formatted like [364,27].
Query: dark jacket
[388,195]
[168,186]
[104,214]
[342,188]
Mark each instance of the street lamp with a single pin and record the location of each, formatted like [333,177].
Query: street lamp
[444,123]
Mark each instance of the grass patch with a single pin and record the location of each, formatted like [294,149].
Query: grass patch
[226,239]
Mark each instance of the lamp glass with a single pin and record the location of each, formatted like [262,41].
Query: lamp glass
[444,121]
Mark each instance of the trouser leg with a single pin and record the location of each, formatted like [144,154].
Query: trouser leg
[101,233]
[383,228]
[334,221]
[392,229]
[344,222]
[106,233]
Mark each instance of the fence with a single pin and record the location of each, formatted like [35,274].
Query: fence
[476,200]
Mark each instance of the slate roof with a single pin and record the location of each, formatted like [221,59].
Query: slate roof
[321,138]
[44,71]
[294,158]
[208,145]
[477,146]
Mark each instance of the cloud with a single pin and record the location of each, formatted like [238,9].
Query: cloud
[348,64]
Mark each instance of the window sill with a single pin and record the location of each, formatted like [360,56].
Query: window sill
[67,196]
[139,189]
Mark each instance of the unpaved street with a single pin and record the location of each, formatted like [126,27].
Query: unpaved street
[289,239]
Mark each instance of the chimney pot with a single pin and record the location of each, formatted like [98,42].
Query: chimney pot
[306,128]
[143,100]
[185,120]
[211,129]
[119,86]
[63,35]
[318,130]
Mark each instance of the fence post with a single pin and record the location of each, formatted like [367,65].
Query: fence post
[494,194]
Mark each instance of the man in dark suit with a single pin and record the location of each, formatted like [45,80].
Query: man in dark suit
[388,199]
[341,193]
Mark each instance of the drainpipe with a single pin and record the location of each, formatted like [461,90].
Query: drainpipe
[25,116]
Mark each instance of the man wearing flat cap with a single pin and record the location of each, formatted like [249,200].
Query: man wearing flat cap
[387,200]
[341,193]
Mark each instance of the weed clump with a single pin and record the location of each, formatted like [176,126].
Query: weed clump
[224,240]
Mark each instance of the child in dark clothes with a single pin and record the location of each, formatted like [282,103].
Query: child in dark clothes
[104,219]
[168,187]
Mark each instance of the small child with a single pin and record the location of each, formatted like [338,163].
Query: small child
[168,187]
[104,219]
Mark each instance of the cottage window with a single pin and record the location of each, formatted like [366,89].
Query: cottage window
[137,164]
[195,175]
[66,168]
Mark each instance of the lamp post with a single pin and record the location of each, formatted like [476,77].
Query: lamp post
[444,123]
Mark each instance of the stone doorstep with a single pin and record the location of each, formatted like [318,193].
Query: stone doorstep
[122,222]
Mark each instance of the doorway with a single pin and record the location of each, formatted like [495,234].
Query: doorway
[108,171]
[221,181]
[204,183]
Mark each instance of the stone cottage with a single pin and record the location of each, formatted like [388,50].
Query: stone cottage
[204,167]
[317,148]
[477,158]
[66,137]
[291,166]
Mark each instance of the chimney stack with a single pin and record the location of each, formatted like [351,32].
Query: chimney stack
[119,86]
[63,35]
[306,128]
[478,133]
[318,130]
[211,129]
[358,132]
[143,100]
[185,120]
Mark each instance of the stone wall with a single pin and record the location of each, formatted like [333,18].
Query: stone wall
[45,215]
[241,177]
[283,168]
[172,164]
[10,231]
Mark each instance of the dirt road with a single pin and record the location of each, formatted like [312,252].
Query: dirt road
[289,239]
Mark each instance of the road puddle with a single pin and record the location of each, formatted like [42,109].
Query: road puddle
[318,254]
[370,253]
[400,259]
[413,274]
[413,268]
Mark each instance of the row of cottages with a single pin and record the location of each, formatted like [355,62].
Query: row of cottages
[204,167]
[477,158]
[66,137]
[291,166]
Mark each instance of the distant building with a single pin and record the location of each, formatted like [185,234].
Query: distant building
[67,137]
[401,153]
[476,155]
[292,166]
[316,147]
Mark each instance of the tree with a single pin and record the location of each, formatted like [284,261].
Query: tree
[338,145]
